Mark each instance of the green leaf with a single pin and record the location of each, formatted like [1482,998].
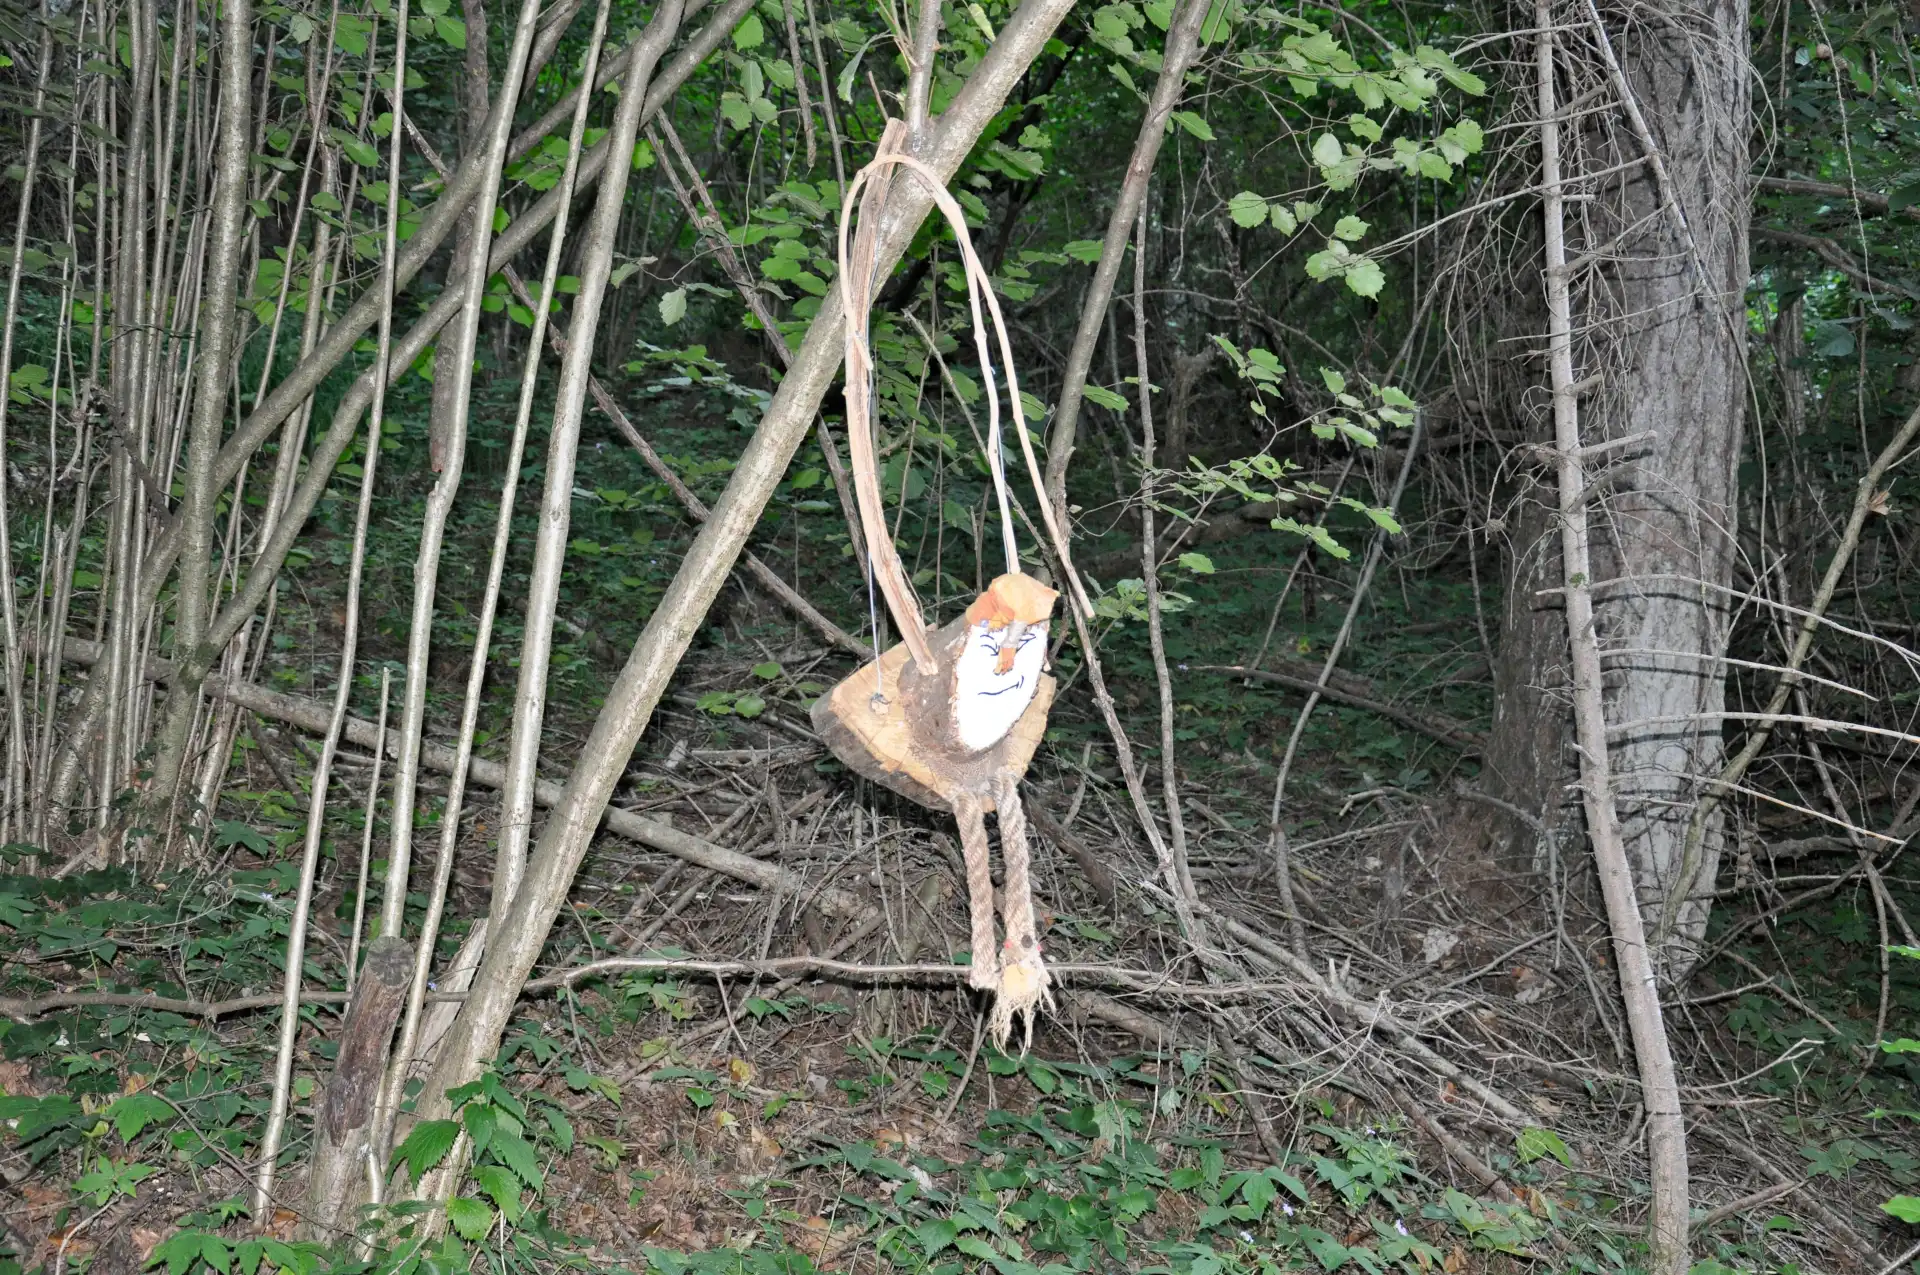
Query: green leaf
[749,34]
[1365,277]
[1247,209]
[974,1246]
[1364,126]
[560,1128]
[361,153]
[502,1188]
[749,705]
[1194,124]
[1904,1207]
[1535,1142]
[1083,250]
[1350,229]
[767,672]
[1318,534]
[1467,135]
[1382,518]
[425,1147]
[1283,220]
[452,30]
[470,1217]
[1105,397]
[179,1251]
[1904,1045]
[1327,150]
[232,832]
[673,307]
[135,1112]
[1198,563]
[517,1153]
[735,109]
[14,909]
[935,1234]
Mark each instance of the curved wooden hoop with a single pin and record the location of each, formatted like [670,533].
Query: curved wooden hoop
[875,180]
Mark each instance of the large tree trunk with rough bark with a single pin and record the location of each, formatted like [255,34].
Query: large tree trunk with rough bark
[1665,554]
[1665,387]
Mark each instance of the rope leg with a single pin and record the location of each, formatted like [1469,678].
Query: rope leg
[1025,986]
[967,812]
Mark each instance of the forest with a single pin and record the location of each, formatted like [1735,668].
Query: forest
[732,637]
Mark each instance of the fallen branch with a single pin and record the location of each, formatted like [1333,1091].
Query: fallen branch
[1451,733]
[1732,1208]
[1140,981]
[311,714]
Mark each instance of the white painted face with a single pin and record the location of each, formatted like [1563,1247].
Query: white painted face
[995,678]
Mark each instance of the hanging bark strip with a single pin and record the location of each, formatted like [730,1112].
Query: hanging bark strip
[347,1106]
[1666,1131]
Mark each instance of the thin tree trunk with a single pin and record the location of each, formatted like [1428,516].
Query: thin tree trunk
[1666,1131]
[13,784]
[1183,41]
[556,505]
[216,336]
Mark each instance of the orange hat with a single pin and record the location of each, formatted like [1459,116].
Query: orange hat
[1013,597]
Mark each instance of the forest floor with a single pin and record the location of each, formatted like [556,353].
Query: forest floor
[1453,1094]
[1422,1067]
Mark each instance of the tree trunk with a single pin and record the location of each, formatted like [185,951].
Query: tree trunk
[1665,549]
[1667,357]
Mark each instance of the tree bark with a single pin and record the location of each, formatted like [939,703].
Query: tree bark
[1660,1094]
[346,1108]
[218,327]
[1666,323]
[1678,342]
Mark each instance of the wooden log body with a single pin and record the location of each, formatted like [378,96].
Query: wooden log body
[905,739]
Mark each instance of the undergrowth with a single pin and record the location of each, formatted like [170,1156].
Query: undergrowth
[129,1133]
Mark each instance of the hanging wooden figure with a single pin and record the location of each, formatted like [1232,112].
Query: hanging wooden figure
[950,717]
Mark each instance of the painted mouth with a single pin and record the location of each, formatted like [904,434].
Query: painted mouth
[1017,684]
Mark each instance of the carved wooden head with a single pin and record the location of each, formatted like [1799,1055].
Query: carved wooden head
[981,710]
[998,659]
